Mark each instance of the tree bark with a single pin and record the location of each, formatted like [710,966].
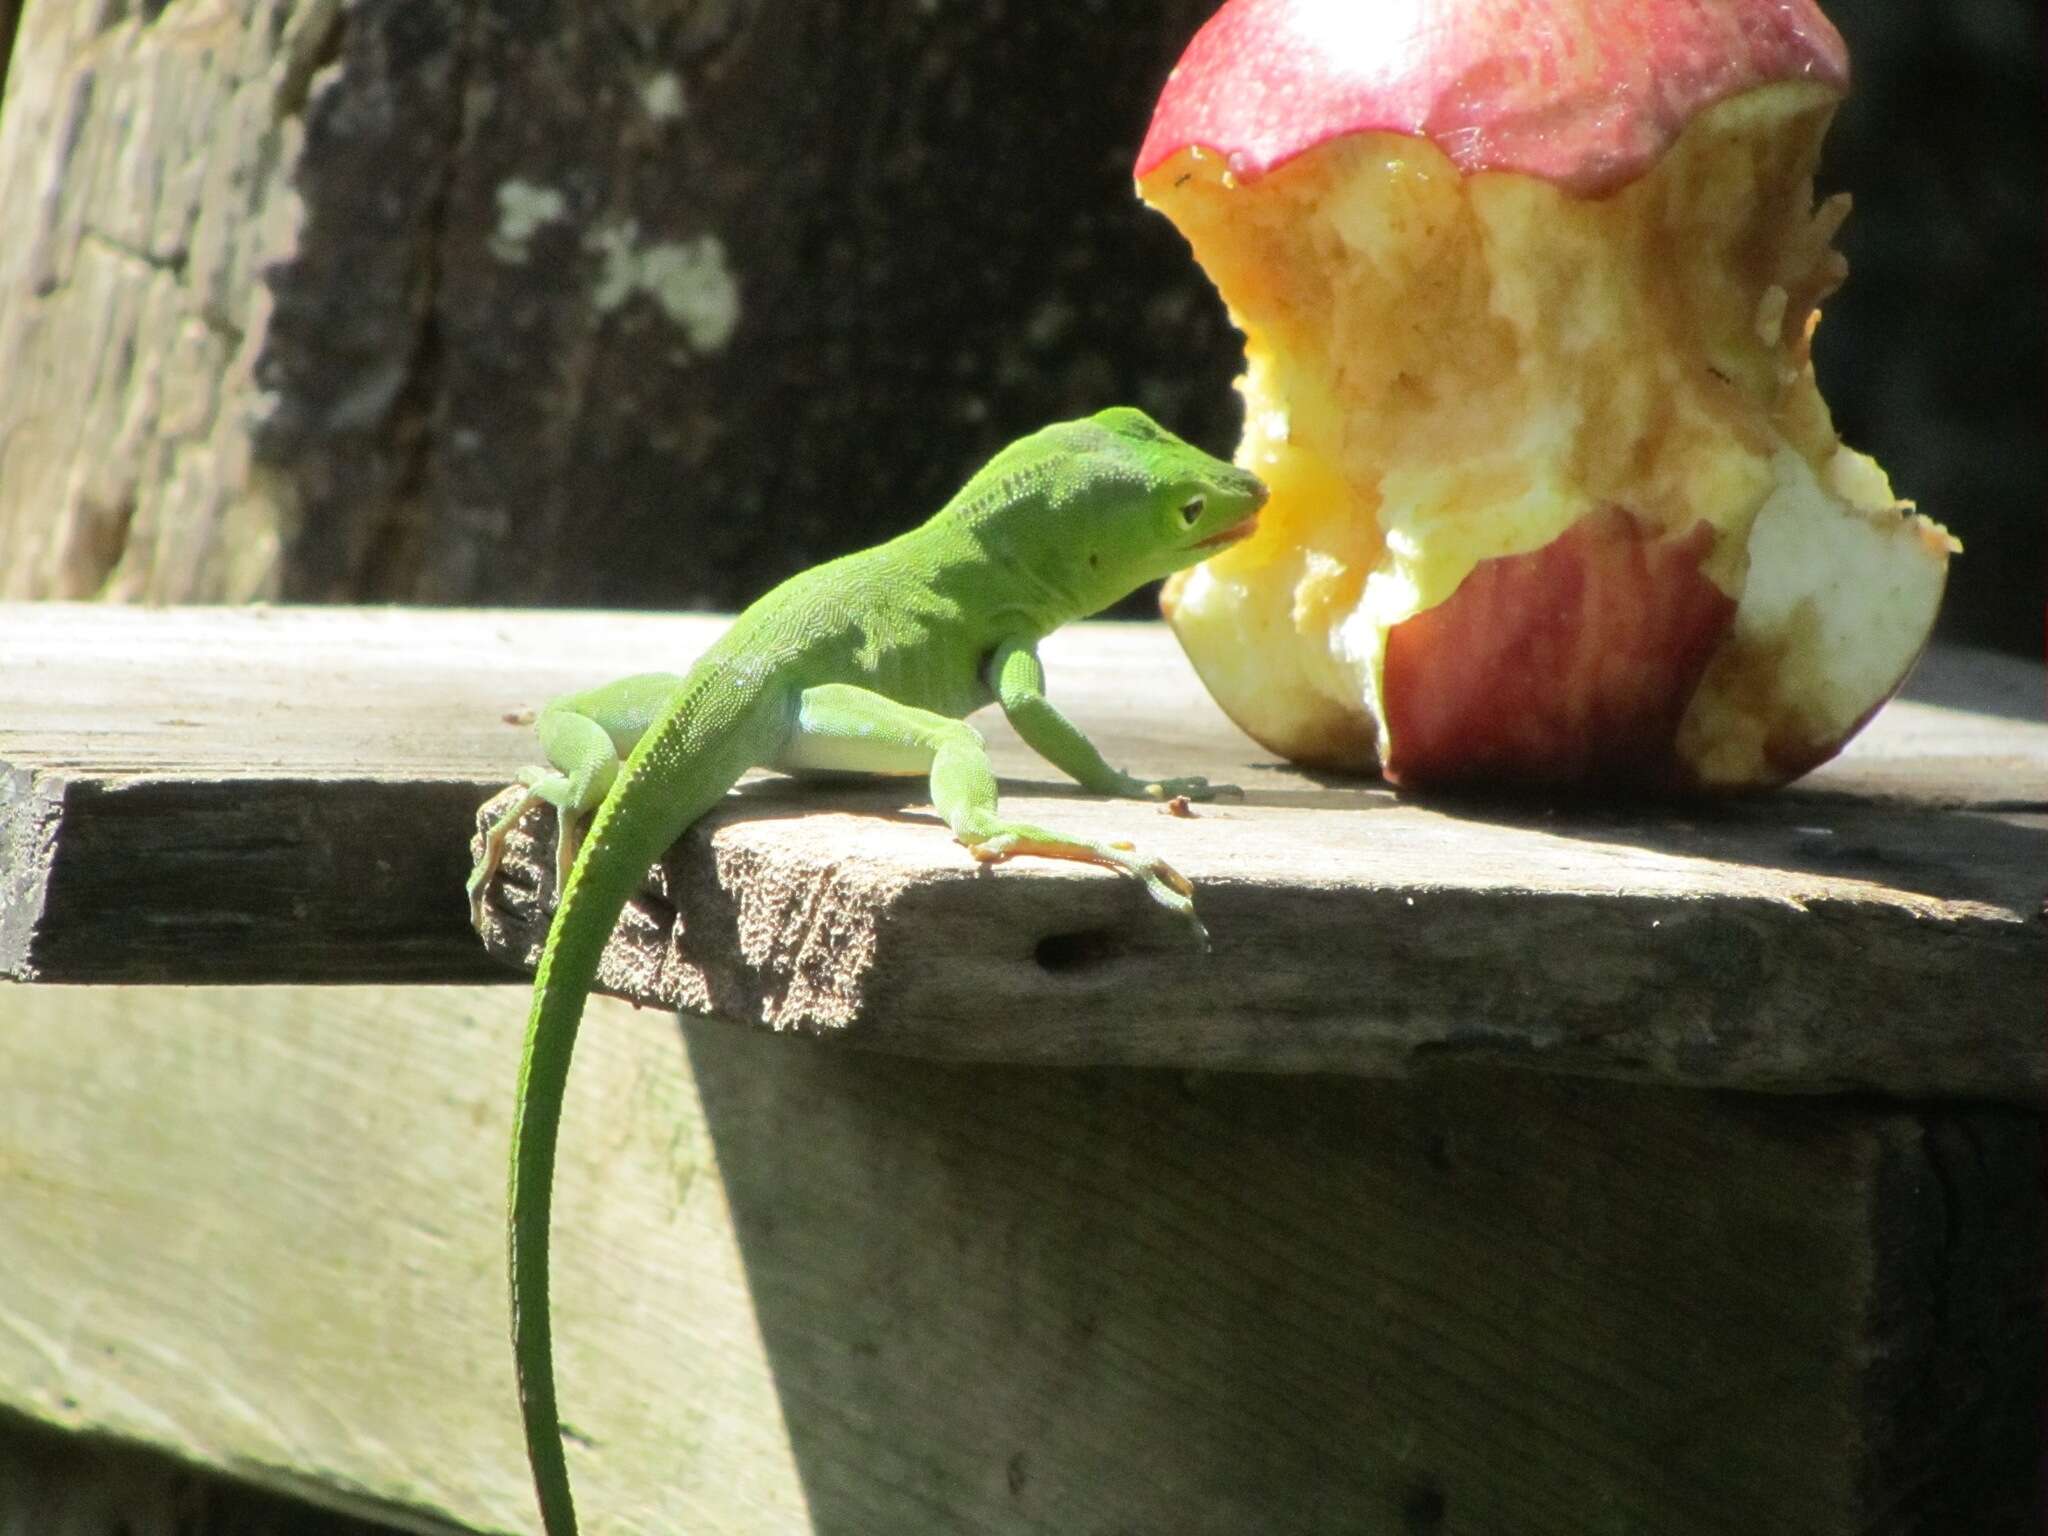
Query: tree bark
[640,303]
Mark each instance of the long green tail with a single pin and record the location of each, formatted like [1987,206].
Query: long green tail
[597,891]
[670,780]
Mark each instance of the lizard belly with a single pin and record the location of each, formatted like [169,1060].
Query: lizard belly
[807,754]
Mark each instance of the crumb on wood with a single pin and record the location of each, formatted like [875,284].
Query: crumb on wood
[1178,806]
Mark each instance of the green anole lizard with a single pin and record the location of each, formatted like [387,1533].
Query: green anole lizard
[865,663]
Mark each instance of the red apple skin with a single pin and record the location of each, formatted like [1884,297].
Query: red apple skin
[1580,663]
[1571,664]
[1583,93]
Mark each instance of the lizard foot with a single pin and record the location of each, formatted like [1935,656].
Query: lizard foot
[567,837]
[1163,883]
[493,856]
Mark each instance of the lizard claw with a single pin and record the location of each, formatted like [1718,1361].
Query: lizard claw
[1167,887]
[1167,875]
[1193,788]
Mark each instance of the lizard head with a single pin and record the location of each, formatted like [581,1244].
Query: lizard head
[1111,502]
[1194,503]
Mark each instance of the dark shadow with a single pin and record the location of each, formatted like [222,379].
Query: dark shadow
[1855,818]
[1940,853]
[992,1299]
[1276,785]
[1099,1302]
[1981,682]
[88,1483]
[777,797]
[10,22]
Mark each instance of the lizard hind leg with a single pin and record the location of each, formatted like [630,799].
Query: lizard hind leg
[586,737]
[840,726]
[573,796]
[486,869]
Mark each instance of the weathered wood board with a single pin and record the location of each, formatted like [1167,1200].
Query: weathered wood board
[287,795]
[800,1289]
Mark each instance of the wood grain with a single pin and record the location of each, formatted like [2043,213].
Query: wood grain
[800,1289]
[284,795]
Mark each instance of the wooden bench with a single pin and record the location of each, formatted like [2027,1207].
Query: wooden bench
[1508,1167]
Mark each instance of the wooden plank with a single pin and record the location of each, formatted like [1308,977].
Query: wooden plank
[284,795]
[804,1289]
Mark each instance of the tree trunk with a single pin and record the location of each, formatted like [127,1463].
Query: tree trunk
[641,303]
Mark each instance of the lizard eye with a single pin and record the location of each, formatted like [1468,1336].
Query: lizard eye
[1191,509]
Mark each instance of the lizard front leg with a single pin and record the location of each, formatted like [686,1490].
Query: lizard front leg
[843,727]
[1017,678]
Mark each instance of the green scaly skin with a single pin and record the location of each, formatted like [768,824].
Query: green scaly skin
[865,663]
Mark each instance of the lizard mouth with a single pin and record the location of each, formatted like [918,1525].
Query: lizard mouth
[1235,533]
